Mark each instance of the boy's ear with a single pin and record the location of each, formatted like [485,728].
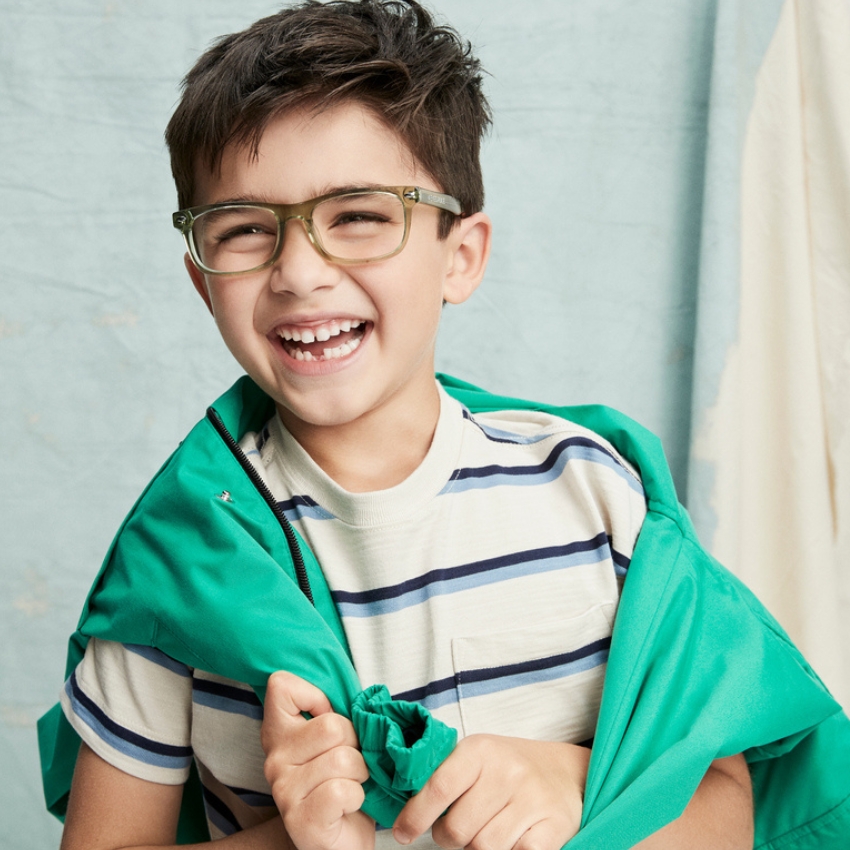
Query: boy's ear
[198,281]
[470,250]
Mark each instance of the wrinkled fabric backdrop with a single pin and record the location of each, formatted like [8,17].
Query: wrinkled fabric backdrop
[670,186]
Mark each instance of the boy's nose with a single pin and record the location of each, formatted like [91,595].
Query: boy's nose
[300,268]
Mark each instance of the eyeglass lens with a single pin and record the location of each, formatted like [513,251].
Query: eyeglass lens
[358,226]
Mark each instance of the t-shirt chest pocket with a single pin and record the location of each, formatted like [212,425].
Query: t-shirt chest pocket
[543,682]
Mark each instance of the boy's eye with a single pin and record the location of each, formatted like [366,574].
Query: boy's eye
[242,230]
[361,218]
[358,217]
[229,231]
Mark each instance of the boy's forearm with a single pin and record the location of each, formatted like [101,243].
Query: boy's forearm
[270,835]
[111,810]
[719,816]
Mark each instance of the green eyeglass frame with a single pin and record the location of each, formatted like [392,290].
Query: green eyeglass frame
[410,196]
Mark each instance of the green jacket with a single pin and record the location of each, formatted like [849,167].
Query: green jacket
[697,670]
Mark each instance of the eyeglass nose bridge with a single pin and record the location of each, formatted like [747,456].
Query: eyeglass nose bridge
[305,216]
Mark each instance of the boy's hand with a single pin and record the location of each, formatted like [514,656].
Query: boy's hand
[314,768]
[504,793]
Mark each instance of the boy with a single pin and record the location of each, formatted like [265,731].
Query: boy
[473,555]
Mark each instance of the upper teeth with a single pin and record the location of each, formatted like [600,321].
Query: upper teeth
[320,334]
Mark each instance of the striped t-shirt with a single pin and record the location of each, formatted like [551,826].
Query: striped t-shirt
[484,586]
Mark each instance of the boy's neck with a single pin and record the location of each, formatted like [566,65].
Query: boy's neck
[375,452]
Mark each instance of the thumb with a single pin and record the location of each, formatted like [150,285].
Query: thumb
[289,696]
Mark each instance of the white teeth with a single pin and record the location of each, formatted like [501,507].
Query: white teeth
[342,350]
[322,334]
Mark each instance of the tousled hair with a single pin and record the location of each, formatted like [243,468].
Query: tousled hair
[420,78]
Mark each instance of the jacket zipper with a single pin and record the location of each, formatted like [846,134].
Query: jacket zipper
[262,488]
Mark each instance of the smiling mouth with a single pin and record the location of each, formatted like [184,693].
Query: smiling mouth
[329,341]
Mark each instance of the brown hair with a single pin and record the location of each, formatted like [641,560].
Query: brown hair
[419,78]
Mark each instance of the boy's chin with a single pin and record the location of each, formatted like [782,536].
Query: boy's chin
[317,413]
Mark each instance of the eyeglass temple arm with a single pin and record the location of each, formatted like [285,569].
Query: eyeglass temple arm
[437,199]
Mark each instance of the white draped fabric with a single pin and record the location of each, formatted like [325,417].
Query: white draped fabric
[777,437]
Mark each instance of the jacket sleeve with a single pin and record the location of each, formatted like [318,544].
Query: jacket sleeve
[699,670]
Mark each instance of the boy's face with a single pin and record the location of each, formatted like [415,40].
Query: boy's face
[392,306]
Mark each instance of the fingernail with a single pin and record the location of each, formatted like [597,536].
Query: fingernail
[401,837]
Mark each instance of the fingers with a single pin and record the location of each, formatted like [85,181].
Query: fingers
[330,801]
[299,782]
[286,734]
[290,695]
[314,768]
[302,753]
[329,819]
[462,826]
[500,794]
[452,778]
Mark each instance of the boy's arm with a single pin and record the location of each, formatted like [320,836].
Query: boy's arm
[511,793]
[719,816]
[111,810]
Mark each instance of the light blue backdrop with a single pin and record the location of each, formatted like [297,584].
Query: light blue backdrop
[595,176]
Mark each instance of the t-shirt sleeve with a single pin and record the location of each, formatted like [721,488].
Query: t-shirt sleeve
[132,705]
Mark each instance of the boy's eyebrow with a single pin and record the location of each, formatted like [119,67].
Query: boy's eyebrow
[263,198]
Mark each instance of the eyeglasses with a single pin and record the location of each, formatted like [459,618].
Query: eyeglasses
[357,226]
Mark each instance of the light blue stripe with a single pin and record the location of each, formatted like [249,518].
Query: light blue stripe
[302,511]
[475,689]
[228,706]
[119,744]
[434,701]
[218,820]
[544,477]
[468,582]
[159,658]
[532,677]
[508,436]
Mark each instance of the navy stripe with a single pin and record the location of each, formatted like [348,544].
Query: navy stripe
[620,561]
[484,674]
[256,799]
[219,813]
[140,741]
[304,507]
[491,682]
[262,438]
[570,449]
[226,698]
[439,686]
[535,469]
[226,691]
[497,435]
[441,692]
[364,597]
[432,689]
[156,656]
